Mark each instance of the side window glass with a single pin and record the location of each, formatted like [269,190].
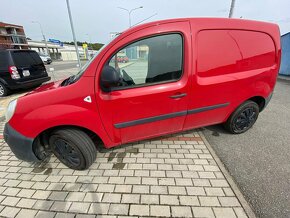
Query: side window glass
[152,60]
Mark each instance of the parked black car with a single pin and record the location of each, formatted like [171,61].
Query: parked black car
[20,69]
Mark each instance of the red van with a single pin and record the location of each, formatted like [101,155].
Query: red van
[182,74]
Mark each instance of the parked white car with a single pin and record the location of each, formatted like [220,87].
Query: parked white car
[45,58]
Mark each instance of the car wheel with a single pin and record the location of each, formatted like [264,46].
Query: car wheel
[243,118]
[73,147]
[4,91]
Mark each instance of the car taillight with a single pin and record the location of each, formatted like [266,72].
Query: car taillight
[14,72]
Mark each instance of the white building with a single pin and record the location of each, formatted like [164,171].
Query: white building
[59,52]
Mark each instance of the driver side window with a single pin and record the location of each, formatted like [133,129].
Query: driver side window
[152,60]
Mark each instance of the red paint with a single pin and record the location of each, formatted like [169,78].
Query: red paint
[225,61]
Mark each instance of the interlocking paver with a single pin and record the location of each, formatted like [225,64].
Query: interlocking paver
[149,199]
[130,198]
[203,212]
[27,213]
[209,201]
[46,214]
[9,212]
[99,208]
[169,200]
[159,211]
[119,209]
[10,201]
[79,207]
[224,212]
[140,210]
[60,206]
[26,203]
[181,211]
[171,177]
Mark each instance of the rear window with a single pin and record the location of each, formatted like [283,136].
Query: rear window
[26,58]
[230,51]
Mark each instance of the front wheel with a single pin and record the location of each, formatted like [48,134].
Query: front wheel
[243,118]
[73,147]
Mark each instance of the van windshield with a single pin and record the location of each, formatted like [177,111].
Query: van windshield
[84,67]
[25,58]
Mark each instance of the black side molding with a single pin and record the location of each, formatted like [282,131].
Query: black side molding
[168,116]
[150,119]
[198,110]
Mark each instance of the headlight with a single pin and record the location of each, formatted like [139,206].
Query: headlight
[10,109]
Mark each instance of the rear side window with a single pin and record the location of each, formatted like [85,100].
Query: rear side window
[149,61]
[25,58]
[231,51]
[4,60]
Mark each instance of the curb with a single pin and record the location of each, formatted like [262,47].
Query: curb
[250,213]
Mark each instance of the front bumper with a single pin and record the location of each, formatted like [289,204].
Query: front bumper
[20,145]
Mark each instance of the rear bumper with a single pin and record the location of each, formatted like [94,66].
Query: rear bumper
[20,145]
[28,83]
[267,100]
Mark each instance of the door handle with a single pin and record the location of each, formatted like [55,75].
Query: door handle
[178,95]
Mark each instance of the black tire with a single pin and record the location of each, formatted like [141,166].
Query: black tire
[73,147]
[243,118]
[4,91]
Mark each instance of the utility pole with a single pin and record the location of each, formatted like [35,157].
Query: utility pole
[44,39]
[129,12]
[232,8]
[73,32]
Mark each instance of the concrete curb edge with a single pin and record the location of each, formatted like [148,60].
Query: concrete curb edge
[229,178]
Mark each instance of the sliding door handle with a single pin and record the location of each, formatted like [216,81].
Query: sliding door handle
[181,95]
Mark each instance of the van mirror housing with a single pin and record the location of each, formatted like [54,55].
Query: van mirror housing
[110,78]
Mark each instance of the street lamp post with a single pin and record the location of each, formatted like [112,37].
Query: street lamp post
[47,51]
[73,33]
[129,12]
[232,8]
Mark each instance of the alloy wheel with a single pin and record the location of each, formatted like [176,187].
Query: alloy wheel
[245,120]
[66,153]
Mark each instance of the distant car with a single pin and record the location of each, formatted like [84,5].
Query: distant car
[20,69]
[123,59]
[45,58]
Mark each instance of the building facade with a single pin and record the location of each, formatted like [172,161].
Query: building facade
[12,36]
[285,60]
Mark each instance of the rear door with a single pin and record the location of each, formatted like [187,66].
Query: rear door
[29,64]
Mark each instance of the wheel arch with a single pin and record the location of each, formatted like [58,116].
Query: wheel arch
[43,136]
[261,101]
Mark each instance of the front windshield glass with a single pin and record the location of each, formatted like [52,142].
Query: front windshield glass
[85,66]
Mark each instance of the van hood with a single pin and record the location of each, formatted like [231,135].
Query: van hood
[46,87]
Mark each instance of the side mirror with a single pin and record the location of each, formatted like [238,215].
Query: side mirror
[109,78]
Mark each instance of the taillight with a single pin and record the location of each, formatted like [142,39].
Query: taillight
[14,72]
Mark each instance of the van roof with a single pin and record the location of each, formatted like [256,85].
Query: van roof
[215,23]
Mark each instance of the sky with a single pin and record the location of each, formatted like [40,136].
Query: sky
[95,19]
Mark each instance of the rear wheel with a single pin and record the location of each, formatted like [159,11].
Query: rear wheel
[243,118]
[4,91]
[73,147]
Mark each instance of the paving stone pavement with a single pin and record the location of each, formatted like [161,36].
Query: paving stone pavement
[172,176]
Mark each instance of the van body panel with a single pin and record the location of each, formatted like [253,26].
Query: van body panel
[208,93]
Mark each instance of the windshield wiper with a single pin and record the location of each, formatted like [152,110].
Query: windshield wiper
[69,80]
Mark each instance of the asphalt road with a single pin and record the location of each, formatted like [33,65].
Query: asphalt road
[63,65]
[259,160]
